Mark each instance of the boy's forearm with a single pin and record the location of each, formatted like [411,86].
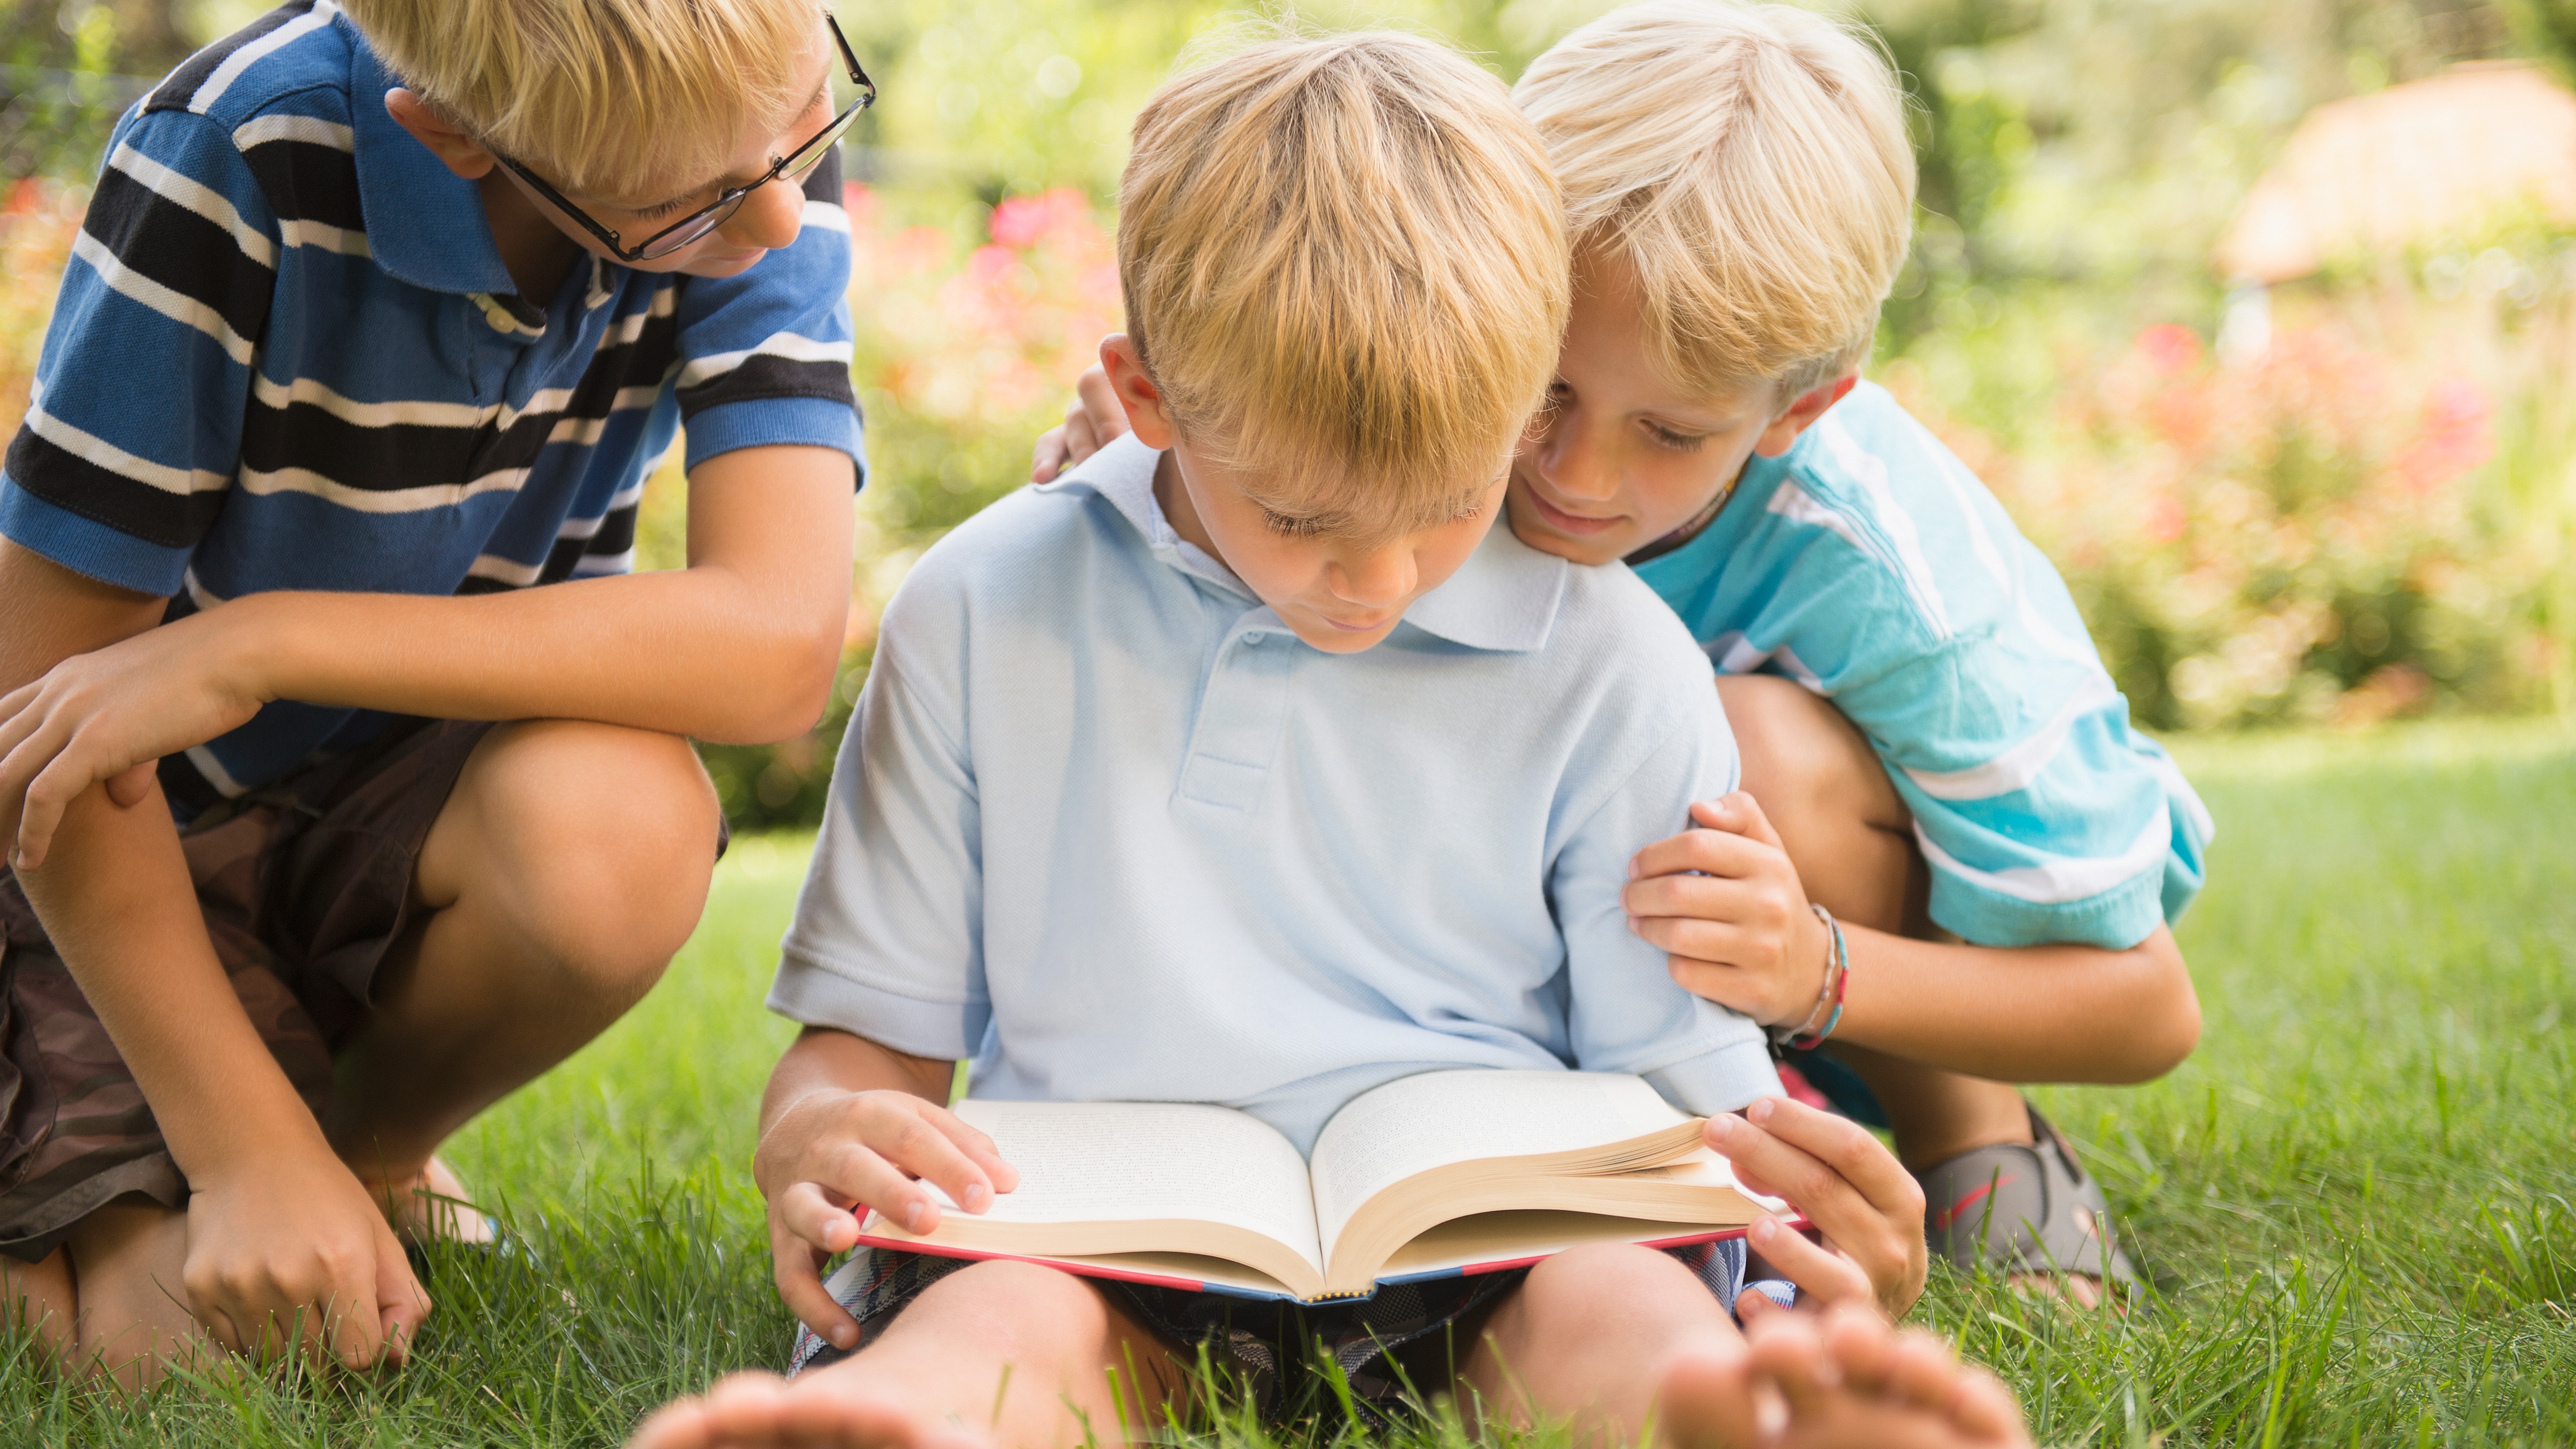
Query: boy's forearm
[739,647]
[823,1059]
[116,900]
[117,903]
[2022,1014]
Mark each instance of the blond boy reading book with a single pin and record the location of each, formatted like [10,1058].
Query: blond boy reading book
[1249,765]
[1932,748]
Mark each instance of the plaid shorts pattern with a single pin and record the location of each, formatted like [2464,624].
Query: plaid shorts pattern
[1263,1344]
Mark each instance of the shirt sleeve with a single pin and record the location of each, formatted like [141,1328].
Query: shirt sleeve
[133,427]
[2043,816]
[1625,1011]
[765,356]
[887,941]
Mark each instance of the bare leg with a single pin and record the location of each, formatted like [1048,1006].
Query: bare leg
[1004,1354]
[1589,1340]
[109,1301]
[1618,1341]
[567,869]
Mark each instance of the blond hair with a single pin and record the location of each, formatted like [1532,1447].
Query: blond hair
[1346,266]
[1748,166]
[625,100]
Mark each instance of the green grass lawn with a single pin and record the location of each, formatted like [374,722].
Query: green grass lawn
[2357,1193]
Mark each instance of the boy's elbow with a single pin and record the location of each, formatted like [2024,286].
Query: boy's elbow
[795,677]
[2168,1015]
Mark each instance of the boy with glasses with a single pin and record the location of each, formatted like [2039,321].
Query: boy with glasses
[326,828]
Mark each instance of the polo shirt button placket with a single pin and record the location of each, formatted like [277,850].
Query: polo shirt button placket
[1243,712]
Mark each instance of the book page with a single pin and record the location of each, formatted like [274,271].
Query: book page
[1131,1161]
[1417,1123]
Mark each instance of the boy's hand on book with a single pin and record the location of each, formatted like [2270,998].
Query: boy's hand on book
[291,1253]
[1726,906]
[830,1155]
[108,716]
[1094,421]
[1862,1201]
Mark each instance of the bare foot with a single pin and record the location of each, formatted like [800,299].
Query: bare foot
[1843,1381]
[433,1206]
[2080,1289]
[764,1411]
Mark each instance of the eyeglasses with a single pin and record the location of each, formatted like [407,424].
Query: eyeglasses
[791,167]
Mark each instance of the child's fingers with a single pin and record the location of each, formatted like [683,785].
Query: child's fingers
[54,789]
[809,1212]
[1846,1147]
[1711,852]
[1100,409]
[1722,941]
[895,1136]
[1823,1275]
[796,1266]
[1884,1243]
[128,789]
[1048,458]
[1740,898]
[25,749]
[977,1145]
[401,1304]
[1739,814]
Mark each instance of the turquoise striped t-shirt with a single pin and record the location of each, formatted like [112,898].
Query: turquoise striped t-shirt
[1869,565]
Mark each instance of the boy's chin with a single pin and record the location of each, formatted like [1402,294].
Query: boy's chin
[1325,637]
[1531,527]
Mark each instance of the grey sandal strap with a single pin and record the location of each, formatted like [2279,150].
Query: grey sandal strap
[2023,1210]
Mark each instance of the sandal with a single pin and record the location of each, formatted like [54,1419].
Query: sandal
[2025,1209]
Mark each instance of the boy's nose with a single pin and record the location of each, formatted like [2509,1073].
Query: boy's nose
[1574,462]
[1377,578]
[769,218]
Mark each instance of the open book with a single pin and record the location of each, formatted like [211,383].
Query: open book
[1428,1176]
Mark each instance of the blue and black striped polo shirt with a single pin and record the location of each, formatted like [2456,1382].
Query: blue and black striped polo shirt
[287,356]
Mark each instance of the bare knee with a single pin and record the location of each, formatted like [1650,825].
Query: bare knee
[595,841]
[1020,1313]
[1802,757]
[1613,1282]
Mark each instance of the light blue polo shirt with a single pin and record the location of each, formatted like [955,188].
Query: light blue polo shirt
[1106,824]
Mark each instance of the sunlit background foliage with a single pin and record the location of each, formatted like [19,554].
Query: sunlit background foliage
[2337,499]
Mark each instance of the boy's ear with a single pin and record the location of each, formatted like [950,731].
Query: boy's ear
[1800,415]
[1137,395]
[445,139]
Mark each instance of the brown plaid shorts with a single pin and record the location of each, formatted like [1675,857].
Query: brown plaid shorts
[304,885]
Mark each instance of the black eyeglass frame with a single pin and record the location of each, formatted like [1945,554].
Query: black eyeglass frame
[707,218]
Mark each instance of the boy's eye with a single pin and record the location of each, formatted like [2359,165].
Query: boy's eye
[1287,527]
[1679,442]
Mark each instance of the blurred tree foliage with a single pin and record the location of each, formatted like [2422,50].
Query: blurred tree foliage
[2078,159]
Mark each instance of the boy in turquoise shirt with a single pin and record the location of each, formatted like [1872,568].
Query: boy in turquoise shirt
[1932,749]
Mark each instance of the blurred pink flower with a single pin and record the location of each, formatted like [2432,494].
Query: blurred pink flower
[2169,347]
